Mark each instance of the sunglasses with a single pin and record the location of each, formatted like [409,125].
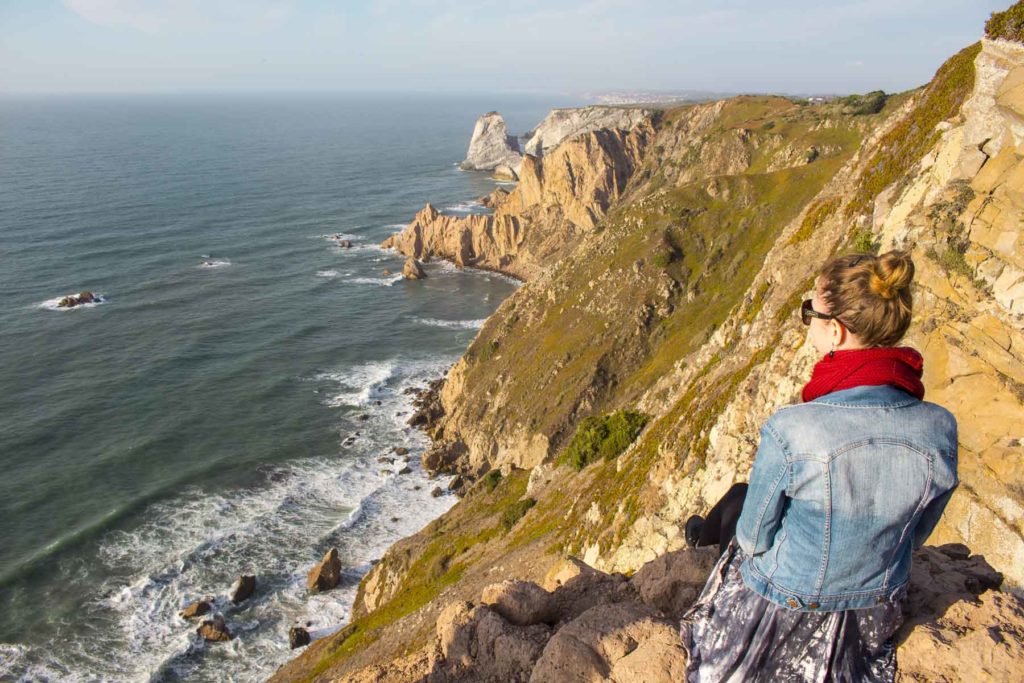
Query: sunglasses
[807,312]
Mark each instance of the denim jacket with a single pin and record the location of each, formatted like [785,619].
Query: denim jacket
[842,489]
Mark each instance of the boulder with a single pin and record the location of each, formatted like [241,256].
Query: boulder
[477,644]
[326,574]
[214,630]
[491,145]
[405,470]
[673,581]
[196,609]
[623,642]
[413,270]
[242,589]
[519,602]
[297,637]
[437,492]
[400,450]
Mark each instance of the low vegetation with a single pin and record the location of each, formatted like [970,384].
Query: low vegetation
[1008,24]
[603,437]
[910,139]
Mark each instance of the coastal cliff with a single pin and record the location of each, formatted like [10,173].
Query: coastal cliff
[664,267]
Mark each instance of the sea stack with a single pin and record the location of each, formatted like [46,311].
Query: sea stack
[491,146]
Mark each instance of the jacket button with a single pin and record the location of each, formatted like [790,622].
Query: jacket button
[792,603]
[880,600]
[813,605]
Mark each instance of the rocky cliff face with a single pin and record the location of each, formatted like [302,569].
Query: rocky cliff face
[681,302]
[491,146]
[558,198]
[562,124]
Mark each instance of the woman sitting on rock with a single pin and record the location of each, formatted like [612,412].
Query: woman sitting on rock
[844,486]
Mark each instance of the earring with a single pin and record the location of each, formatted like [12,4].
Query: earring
[832,353]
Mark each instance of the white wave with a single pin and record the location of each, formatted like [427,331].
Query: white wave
[361,383]
[386,281]
[334,236]
[215,263]
[51,304]
[470,206]
[194,546]
[327,273]
[453,324]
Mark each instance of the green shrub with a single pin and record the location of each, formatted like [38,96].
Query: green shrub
[816,215]
[1008,24]
[950,260]
[861,105]
[662,259]
[514,512]
[864,242]
[491,480]
[603,436]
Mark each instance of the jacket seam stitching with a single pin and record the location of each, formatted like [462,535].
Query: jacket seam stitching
[826,540]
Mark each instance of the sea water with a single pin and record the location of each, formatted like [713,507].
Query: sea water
[223,407]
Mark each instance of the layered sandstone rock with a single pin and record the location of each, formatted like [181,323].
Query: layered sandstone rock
[557,197]
[597,627]
[563,124]
[491,146]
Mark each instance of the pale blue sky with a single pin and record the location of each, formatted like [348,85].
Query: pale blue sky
[555,46]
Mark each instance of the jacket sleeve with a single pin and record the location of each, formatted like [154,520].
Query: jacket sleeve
[930,517]
[766,497]
[947,478]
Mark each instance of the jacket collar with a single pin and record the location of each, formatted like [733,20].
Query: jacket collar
[869,395]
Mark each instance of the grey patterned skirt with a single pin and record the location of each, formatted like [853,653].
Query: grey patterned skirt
[733,634]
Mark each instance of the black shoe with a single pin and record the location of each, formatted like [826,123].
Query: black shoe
[693,527]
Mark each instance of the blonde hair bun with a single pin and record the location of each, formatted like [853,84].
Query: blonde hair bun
[892,273]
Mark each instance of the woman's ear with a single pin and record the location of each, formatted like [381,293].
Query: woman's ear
[838,332]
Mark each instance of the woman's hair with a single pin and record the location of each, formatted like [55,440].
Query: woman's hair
[870,295]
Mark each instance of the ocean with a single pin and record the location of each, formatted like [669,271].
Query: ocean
[223,408]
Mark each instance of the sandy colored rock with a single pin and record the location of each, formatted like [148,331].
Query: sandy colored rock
[625,643]
[326,574]
[673,581]
[196,609]
[519,602]
[413,270]
[215,630]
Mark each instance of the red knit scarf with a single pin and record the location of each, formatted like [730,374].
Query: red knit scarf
[900,366]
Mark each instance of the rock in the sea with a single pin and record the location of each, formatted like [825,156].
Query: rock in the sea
[242,589]
[325,575]
[400,450]
[405,470]
[491,146]
[345,244]
[196,609]
[215,630]
[413,270]
[297,637]
[386,272]
[72,300]
[437,492]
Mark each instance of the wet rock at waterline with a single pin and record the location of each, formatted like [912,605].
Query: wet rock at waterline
[196,609]
[325,575]
[298,637]
[242,589]
[413,270]
[215,630]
